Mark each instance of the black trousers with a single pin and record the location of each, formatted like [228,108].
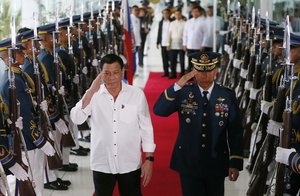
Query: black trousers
[141,52]
[207,186]
[166,59]
[129,184]
[189,52]
[173,56]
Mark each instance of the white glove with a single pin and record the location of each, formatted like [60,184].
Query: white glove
[123,58]
[61,91]
[48,149]
[95,62]
[265,106]
[76,79]
[61,126]
[84,70]
[237,63]
[282,155]
[244,73]
[19,172]
[226,47]
[2,187]
[253,93]
[274,127]
[248,85]
[19,123]
[44,105]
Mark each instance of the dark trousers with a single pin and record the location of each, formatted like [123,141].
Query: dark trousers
[173,56]
[141,52]
[204,186]
[129,184]
[189,52]
[294,184]
[166,59]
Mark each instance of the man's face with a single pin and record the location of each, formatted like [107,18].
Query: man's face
[277,49]
[295,58]
[20,57]
[166,14]
[205,79]
[47,41]
[135,11]
[63,36]
[196,13]
[178,15]
[210,12]
[112,75]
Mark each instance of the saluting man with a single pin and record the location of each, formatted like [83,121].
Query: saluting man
[209,143]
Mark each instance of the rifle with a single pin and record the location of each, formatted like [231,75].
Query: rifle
[67,139]
[282,175]
[25,187]
[91,45]
[54,162]
[4,179]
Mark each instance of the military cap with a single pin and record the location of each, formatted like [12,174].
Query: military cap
[295,39]
[277,32]
[86,16]
[205,61]
[27,35]
[64,23]
[48,28]
[271,23]
[76,18]
[6,44]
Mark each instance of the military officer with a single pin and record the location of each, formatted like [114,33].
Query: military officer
[209,143]
[34,138]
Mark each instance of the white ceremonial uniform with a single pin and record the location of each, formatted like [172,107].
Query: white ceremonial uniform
[136,24]
[119,129]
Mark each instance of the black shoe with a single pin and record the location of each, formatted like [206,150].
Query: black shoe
[55,185]
[78,152]
[73,164]
[172,77]
[64,182]
[68,168]
[165,75]
[84,149]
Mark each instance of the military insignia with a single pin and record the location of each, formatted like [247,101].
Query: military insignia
[217,114]
[2,152]
[189,105]
[32,125]
[226,114]
[187,120]
[221,123]
[221,99]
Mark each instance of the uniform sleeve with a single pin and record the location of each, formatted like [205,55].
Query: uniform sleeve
[146,125]
[166,103]
[294,162]
[235,136]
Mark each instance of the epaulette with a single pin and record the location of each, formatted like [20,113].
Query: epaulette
[296,106]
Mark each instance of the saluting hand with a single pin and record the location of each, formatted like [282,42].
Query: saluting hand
[186,77]
[233,174]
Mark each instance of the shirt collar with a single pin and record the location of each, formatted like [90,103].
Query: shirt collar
[103,89]
[208,90]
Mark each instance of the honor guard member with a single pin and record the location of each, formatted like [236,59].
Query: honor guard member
[34,138]
[46,60]
[6,153]
[209,143]
[68,67]
[273,127]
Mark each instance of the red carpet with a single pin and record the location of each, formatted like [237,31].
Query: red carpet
[164,182]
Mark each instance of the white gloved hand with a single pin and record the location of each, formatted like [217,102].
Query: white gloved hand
[253,93]
[282,155]
[44,105]
[76,79]
[48,149]
[237,63]
[53,89]
[61,126]
[244,73]
[248,85]
[265,106]
[123,58]
[19,123]
[19,172]
[84,70]
[95,62]
[61,91]
[2,187]
[274,127]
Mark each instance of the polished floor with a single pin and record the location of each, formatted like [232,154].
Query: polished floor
[82,184]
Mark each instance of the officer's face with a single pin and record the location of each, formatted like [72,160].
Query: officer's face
[277,50]
[47,41]
[63,36]
[112,75]
[205,79]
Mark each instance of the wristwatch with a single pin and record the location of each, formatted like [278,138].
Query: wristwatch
[150,158]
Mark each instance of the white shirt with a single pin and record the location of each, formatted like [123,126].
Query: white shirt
[165,31]
[175,34]
[208,42]
[194,32]
[119,129]
[136,24]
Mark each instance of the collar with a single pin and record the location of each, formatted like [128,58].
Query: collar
[209,90]
[103,89]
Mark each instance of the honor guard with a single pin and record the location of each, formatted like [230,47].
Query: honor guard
[209,143]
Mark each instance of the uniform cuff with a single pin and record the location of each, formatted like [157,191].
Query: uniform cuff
[236,162]
[8,161]
[294,160]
